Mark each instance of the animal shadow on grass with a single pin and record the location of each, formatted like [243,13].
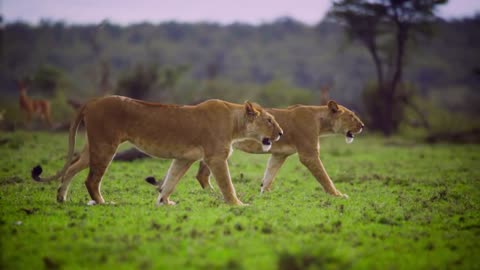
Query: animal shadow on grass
[288,261]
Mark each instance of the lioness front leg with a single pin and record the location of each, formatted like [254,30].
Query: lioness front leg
[315,166]
[177,169]
[274,164]
[219,168]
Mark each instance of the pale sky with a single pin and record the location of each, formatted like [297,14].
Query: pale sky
[155,11]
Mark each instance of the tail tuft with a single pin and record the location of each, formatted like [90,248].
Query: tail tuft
[151,180]
[36,171]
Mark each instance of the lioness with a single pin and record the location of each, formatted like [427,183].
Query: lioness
[303,125]
[183,133]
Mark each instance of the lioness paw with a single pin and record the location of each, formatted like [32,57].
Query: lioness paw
[61,198]
[241,204]
[264,190]
[92,202]
[165,202]
[238,203]
[339,194]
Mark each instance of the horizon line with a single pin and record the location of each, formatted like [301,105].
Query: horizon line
[210,22]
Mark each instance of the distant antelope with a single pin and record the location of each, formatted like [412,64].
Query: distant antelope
[33,107]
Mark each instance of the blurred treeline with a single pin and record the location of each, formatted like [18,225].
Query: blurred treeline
[275,64]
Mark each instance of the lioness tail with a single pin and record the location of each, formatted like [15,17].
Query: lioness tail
[37,170]
[151,180]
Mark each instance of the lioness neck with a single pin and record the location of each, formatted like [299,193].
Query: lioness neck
[324,118]
[239,123]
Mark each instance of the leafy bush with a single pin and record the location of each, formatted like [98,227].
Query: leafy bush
[281,94]
[47,79]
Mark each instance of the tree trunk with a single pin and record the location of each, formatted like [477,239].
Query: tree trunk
[372,48]
[383,113]
[401,39]
[393,114]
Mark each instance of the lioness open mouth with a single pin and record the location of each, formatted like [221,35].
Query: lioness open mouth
[349,137]
[266,144]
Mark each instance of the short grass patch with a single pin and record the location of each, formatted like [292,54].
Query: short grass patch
[411,206]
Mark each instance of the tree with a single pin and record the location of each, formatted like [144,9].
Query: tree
[384,27]
[47,80]
[138,83]
[94,41]
[143,79]
[169,76]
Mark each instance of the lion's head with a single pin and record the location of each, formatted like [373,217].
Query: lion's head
[344,121]
[261,126]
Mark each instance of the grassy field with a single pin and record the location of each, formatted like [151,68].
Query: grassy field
[411,206]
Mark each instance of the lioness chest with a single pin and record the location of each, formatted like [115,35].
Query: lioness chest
[253,147]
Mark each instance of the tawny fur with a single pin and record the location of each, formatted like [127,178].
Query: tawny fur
[303,125]
[182,133]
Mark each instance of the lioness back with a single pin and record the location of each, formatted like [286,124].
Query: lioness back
[132,117]
[167,131]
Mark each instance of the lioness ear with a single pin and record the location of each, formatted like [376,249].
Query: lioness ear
[250,110]
[333,106]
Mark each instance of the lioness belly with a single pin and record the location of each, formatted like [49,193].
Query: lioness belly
[169,150]
[286,149]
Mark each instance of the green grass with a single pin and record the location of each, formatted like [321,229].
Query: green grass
[411,206]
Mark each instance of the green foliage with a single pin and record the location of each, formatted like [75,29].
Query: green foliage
[12,114]
[281,94]
[440,120]
[139,82]
[228,90]
[169,76]
[272,94]
[47,79]
[419,117]
[144,79]
[15,118]
[285,50]
[407,200]
[378,111]
[61,111]
[385,28]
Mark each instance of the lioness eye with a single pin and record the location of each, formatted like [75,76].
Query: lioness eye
[269,120]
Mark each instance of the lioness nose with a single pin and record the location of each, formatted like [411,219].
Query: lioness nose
[363,125]
[280,133]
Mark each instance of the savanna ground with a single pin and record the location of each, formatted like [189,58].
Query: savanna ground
[411,206]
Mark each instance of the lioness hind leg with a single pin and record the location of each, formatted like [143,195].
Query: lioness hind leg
[203,175]
[99,162]
[76,167]
[177,169]
[274,164]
